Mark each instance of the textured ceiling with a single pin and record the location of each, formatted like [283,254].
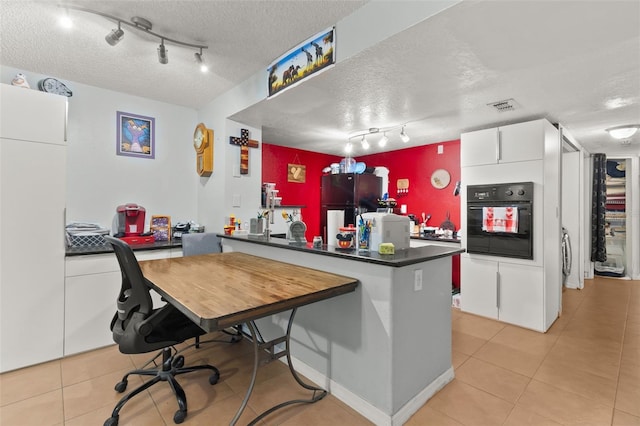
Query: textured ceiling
[574,62]
[244,37]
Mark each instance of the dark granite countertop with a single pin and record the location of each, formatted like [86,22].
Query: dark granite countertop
[158,245]
[434,238]
[400,258]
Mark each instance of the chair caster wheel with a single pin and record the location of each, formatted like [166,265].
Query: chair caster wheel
[111,421]
[213,379]
[178,362]
[179,416]
[120,387]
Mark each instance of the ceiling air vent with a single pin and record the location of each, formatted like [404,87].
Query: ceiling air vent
[503,106]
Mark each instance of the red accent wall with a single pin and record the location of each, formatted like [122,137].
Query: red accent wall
[416,164]
[275,161]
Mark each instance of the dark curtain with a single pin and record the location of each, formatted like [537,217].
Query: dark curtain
[598,206]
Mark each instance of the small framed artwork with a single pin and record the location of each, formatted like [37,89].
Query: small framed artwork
[296,173]
[161,227]
[136,135]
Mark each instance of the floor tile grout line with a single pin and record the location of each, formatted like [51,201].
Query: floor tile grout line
[624,329]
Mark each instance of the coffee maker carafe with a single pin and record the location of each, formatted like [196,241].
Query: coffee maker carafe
[131,219]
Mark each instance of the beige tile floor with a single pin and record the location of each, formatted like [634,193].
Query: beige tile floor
[585,370]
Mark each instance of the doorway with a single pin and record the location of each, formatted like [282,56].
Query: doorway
[616,221]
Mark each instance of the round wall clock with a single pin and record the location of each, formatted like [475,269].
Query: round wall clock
[53,85]
[440,179]
[203,144]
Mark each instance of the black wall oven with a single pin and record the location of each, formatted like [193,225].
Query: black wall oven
[500,219]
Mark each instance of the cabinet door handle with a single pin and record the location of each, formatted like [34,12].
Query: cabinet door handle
[497,290]
[498,146]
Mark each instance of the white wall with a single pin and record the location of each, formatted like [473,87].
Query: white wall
[98,180]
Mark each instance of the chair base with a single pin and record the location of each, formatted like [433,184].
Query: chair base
[171,366]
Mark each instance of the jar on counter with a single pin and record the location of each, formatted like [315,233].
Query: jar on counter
[317,242]
[347,237]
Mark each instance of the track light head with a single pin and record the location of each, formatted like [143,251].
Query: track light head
[115,36]
[364,142]
[383,140]
[348,147]
[162,54]
[405,138]
[200,61]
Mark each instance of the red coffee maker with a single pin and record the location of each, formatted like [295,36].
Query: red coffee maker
[131,222]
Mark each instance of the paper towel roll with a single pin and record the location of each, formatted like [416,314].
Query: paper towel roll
[335,220]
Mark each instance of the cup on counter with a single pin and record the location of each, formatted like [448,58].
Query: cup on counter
[364,237]
[317,242]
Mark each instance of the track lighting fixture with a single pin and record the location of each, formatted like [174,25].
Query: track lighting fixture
[115,36]
[405,138]
[162,53]
[142,24]
[362,135]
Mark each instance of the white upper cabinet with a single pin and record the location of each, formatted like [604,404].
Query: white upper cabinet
[507,144]
[34,116]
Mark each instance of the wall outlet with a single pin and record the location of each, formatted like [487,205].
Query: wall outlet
[417,280]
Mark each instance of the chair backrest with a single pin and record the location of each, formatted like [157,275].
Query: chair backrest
[200,243]
[134,299]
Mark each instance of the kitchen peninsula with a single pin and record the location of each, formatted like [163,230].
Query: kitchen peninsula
[386,348]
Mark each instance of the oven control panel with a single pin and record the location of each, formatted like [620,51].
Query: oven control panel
[519,191]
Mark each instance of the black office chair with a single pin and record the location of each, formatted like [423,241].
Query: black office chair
[139,328]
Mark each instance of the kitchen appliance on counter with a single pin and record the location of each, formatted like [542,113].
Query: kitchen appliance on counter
[388,228]
[500,219]
[130,224]
[349,192]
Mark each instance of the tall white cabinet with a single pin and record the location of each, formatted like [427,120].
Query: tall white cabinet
[32,204]
[523,292]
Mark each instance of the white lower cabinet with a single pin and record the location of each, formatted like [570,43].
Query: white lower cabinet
[92,285]
[479,286]
[509,292]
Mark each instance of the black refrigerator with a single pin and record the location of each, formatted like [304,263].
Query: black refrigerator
[351,192]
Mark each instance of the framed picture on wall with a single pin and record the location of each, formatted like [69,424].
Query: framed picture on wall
[296,173]
[136,135]
[309,58]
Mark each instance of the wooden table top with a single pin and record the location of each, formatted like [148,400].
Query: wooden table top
[224,289]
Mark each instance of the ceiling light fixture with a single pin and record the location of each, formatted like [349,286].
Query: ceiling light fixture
[115,36]
[65,21]
[199,60]
[145,26]
[162,53]
[373,130]
[383,140]
[405,138]
[348,147]
[364,142]
[623,132]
